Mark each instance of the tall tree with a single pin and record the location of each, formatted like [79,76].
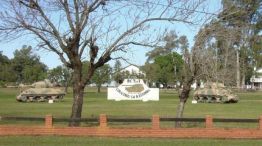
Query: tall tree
[256,39]
[162,70]
[189,73]
[240,17]
[60,75]
[172,59]
[6,72]
[219,48]
[101,76]
[28,66]
[72,28]
[117,76]
[171,43]
[227,43]
[151,70]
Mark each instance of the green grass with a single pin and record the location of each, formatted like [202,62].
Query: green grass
[97,103]
[249,106]
[98,141]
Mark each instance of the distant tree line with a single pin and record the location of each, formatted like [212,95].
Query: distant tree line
[230,44]
[25,67]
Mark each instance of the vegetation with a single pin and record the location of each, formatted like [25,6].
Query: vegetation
[165,70]
[101,76]
[100,141]
[97,103]
[221,48]
[60,75]
[225,50]
[6,71]
[87,34]
[25,67]
[229,43]
[164,64]
[117,75]
[91,30]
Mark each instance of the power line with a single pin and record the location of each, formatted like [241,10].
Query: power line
[176,7]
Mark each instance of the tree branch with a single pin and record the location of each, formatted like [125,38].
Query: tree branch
[68,15]
[55,31]
[137,44]
[112,47]
[87,10]
[76,14]
[50,46]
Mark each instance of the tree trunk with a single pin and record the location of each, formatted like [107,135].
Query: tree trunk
[179,112]
[78,93]
[183,96]
[98,88]
[243,81]
[66,88]
[238,70]
[225,74]
[67,84]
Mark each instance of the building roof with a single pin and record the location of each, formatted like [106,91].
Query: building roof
[132,68]
[259,70]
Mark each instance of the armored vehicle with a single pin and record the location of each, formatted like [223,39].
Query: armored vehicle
[214,93]
[40,92]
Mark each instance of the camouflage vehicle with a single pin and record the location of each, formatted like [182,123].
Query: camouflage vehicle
[40,91]
[214,93]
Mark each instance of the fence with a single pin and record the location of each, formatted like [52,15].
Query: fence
[103,129]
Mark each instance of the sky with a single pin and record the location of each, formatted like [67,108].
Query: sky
[135,56]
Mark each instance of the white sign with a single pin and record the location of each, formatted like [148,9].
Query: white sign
[133,89]
[256,80]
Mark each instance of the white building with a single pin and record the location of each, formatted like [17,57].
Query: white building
[132,69]
[256,80]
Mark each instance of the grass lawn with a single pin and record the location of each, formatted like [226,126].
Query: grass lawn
[98,141]
[249,106]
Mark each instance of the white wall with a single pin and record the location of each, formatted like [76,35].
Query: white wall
[120,92]
[147,95]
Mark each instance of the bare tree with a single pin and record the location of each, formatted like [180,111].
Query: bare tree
[93,30]
[190,70]
[197,63]
[219,47]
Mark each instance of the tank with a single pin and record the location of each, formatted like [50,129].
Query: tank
[41,91]
[214,93]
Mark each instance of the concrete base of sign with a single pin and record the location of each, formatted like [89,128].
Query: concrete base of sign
[151,94]
[133,89]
